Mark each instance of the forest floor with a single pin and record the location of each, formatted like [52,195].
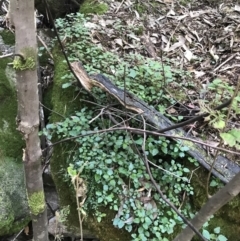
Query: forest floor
[201,38]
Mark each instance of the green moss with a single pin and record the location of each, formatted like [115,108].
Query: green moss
[18,64]
[14,212]
[11,143]
[8,37]
[231,232]
[64,102]
[92,6]
[18,225]
[105,230]
[36,203]
[29,55]
[13,227]
[7,215]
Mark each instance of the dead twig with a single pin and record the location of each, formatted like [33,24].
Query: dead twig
[159,190]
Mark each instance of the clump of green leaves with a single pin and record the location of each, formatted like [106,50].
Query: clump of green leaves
[213,236]
[141,76]
[113,169]
[116,175]
[232,138]
[222,91]
[217,119]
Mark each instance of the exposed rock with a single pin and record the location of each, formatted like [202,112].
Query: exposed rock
[59,230]
[14,212]
[58,8]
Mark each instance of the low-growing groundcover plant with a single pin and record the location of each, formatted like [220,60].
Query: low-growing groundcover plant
[115,175]
[110,163]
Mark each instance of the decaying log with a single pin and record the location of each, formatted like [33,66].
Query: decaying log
[224,169]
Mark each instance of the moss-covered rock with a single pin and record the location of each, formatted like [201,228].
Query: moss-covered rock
[58,8]
[14,212]
[11,143]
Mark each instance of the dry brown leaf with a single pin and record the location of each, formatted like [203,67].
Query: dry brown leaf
[237,8]
[192,106]
[180,43]
[118,41]
[141,189]
[171,111]
[26,230]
